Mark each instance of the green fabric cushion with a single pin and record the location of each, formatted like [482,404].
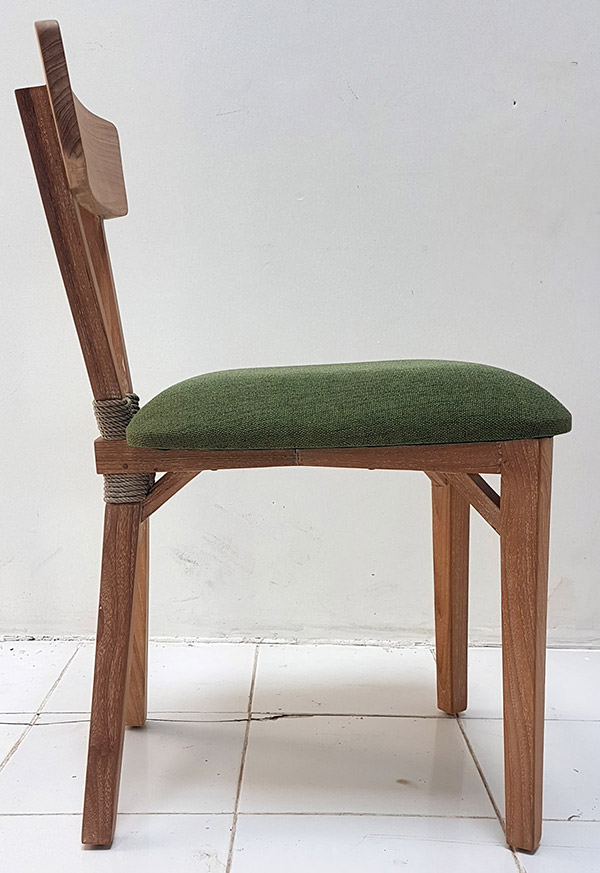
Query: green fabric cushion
[343,405]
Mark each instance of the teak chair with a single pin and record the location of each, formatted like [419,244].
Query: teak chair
[452,420]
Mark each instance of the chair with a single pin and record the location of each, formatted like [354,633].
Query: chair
[452,420]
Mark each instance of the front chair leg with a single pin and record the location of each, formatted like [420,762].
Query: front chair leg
[524,536]
[137,684]
[450,515]
[113,645]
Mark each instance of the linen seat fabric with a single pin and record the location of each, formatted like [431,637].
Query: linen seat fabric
[384,403]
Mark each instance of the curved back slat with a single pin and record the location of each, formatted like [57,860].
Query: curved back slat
[89,144]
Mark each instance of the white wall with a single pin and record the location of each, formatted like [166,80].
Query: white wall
[308,181]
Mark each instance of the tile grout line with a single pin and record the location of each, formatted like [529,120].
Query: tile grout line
[36,715]
[518,863]
[288,814]
[265,715]
[54,686]
[295,814]
[275,716]
[513,852]
[345,814]
[481,773]
[243,762]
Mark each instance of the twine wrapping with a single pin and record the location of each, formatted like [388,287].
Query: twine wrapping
[113,416]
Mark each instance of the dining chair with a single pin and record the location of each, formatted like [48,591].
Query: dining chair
[452,420]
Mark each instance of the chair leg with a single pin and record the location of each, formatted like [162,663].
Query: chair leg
[524,536]
[450,514]
[113,645]
[137,683]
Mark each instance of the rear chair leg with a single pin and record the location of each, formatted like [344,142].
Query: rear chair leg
[524,537]
[113,645]
[137,684]
[450,514]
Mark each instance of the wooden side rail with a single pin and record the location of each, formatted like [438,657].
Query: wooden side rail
[116,456]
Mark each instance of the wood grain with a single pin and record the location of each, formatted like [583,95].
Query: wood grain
[65,228]
[436,478]
[462,457]
[524,539]
[101,270]
[450,516]
[480,495]
[90,144]
[111,670]
[137,681]
[115,456]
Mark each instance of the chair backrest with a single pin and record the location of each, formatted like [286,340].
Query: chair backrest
[77,162]
[89,144]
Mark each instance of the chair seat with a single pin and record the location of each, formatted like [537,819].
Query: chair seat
[383,403]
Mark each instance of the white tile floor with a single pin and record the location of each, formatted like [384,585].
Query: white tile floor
[344,764]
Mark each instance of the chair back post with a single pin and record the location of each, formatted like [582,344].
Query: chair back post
[77,163]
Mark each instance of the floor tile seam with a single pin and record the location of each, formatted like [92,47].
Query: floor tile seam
[547,720]
[297,813]
[256,715]
[40,724]
[55,684]
[15,746]
[488,790]
[35,712]
[350,814]
[242,762]
[154,715]
[36,715]
[59,721]
[265,715]
[518,862]
[267,814]
[481,774]
[53,719]
[77,814]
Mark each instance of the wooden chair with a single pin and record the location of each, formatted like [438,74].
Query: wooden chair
[453,421]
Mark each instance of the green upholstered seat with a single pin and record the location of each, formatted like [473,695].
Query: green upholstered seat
[414,402]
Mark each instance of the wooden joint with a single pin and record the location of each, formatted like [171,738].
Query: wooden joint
[167,486]
[480,495]
[476,491]
[437,479]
